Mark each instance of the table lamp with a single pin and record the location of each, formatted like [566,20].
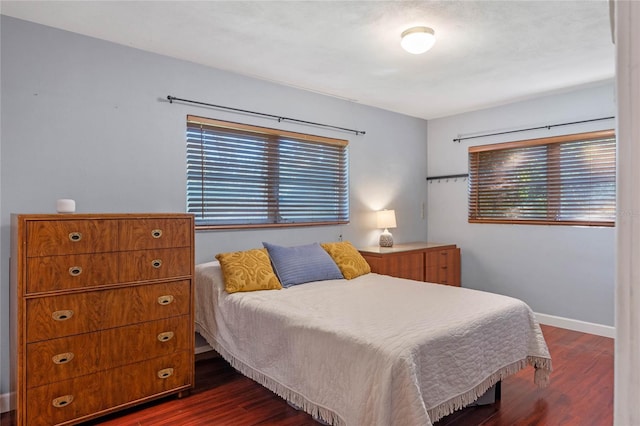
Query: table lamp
[386,220]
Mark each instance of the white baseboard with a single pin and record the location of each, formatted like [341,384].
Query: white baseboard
[5,402]
[201,345]
[202,349]
[577,325]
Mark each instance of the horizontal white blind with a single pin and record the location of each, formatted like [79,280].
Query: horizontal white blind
[240,176]
[562,180]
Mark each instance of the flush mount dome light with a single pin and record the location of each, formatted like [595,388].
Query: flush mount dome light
[418,40]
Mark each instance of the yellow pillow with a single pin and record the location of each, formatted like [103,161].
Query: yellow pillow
[348,259]
[248,271]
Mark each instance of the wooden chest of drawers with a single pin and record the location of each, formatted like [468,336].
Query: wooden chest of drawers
[431,262]
[102,313]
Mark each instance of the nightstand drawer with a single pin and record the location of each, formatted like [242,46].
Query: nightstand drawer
[443,266]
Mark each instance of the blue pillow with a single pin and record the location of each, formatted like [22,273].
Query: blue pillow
[301,264]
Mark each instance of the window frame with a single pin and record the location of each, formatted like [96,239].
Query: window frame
[276,138]
[553,169]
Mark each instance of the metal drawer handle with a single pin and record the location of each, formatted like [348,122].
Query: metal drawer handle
[444,267]
[166,336]
[63,401]
[156,233]
[62,315]
[165,300]
[74,271]
[75,236]
[444,253]
[62,358]
[156,263]
[165,373]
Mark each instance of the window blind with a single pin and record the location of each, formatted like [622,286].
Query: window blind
[242,176]
[568,180]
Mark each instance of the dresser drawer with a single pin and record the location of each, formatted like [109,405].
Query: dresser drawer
[154,264]
[147,340]
[146,303]
[64,358]
[56,237]
[58,316]
[52,273]
[63,401]
[154,233]
[153,377]
[75,398]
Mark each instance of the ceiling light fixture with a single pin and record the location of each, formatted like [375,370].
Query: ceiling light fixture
[418,40]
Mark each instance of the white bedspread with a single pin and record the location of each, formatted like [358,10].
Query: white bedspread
[374,350]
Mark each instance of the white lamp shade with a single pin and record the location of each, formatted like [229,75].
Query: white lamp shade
[418,40]
[387,219]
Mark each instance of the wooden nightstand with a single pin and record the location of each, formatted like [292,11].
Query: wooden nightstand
[431,262]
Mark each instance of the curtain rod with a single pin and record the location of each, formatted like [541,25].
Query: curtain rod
[262,114]
[461,175]
[531,128]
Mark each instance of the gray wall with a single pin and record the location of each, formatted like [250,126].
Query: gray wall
[565,271]
[86,119]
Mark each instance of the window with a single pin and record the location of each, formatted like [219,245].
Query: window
[245,176]
[565,180]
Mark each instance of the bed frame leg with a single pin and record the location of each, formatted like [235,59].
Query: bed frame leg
[491,396]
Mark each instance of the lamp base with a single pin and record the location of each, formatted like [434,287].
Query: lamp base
[386,239]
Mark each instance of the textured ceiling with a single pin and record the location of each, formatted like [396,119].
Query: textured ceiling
[487,52]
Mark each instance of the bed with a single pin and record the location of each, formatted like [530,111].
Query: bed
[373,349]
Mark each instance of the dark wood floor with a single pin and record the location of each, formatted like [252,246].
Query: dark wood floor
[581,393]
